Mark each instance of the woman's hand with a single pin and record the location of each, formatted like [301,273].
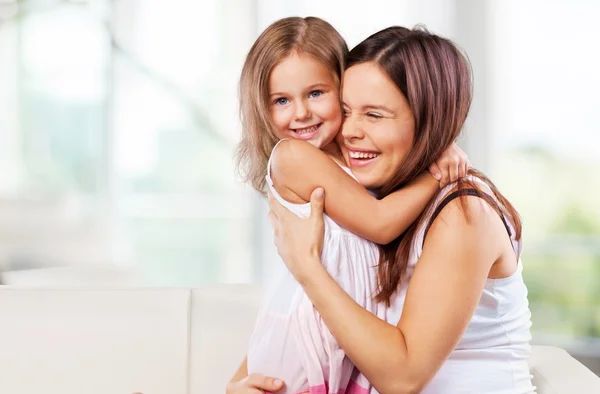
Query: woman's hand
[298,240]
[254,384]
[450,166]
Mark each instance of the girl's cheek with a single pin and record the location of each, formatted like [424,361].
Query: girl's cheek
[335,112]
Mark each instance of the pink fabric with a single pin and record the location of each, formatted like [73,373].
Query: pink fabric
[353,388]
[290,339]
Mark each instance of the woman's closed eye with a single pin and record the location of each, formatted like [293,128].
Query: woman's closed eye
[374,115]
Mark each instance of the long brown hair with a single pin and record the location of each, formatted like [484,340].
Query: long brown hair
[435,77]
[310,35]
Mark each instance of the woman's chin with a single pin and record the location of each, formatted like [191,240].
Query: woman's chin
[368,182]
[371,177]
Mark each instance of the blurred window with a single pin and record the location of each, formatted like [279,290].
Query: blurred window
[546,140]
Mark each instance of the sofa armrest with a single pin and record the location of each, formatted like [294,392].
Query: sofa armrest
[556,372]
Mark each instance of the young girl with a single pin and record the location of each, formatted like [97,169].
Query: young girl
[289,91]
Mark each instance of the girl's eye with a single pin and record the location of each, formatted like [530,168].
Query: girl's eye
[345,114]
[281,101]
[315,93]
[373,115]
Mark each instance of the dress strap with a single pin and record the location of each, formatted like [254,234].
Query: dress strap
[467,192]
[268,176]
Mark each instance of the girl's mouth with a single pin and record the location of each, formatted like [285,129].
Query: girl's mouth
[306,133]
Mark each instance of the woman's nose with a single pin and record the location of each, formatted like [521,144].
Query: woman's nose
[351,129]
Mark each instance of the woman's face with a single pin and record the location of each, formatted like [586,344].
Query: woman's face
[379,126]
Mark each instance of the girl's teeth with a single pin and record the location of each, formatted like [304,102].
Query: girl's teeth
[307,130]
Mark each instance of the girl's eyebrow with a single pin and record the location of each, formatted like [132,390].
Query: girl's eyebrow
[318,85]
[310,87]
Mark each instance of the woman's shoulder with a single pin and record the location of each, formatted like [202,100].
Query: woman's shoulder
[468,202]
[465,210]
[469,214]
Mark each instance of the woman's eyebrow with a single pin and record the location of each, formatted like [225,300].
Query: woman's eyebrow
[377,107]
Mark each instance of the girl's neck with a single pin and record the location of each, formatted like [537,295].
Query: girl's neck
[333,150]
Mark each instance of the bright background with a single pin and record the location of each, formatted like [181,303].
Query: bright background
[118,123]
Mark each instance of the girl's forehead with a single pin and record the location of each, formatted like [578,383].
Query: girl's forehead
[301,68]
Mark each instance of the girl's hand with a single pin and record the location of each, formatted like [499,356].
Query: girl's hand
[298,240]
[254,384]
[450,166]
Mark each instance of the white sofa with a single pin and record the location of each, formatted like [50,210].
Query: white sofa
[160,341]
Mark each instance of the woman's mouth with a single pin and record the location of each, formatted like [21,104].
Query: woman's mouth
[306,133]
[358,158]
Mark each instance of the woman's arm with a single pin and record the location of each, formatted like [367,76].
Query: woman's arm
[242,383]
[300,167]
[241,372]
[441,298]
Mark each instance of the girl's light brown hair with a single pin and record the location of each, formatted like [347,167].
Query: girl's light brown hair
[310,35]
[435,77]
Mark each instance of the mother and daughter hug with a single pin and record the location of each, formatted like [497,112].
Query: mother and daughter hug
[411,282]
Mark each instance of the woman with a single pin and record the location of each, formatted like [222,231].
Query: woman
[292,115]
[458,319]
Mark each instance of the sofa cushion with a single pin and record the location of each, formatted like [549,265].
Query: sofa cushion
[556,372]
[222,321]
[94,341]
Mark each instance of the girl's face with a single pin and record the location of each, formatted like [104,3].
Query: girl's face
[379,126]
[304,100]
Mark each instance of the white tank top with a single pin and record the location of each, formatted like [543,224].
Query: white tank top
[492,355]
